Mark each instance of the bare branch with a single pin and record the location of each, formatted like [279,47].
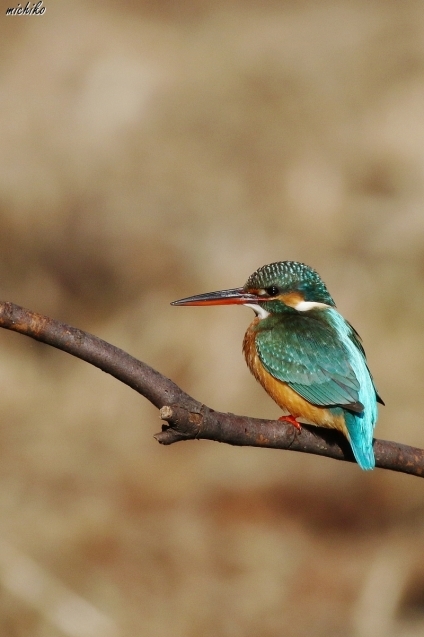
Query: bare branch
[187,418]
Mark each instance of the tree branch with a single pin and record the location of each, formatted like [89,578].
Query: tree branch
[186,418]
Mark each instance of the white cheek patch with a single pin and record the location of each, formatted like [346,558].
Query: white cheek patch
[259,311]
[304,306]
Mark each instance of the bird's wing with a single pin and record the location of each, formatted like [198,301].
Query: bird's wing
[358,342]
[311,358]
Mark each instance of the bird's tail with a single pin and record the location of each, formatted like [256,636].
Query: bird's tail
[360,433]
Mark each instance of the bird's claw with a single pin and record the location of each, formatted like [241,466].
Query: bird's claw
[292,421]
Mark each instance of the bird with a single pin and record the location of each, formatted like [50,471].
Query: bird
[307,357]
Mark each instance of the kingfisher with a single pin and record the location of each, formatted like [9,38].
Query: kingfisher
[306,356]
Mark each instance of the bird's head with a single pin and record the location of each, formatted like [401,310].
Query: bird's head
[278,287]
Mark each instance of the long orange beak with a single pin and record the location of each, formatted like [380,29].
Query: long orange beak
[236,296]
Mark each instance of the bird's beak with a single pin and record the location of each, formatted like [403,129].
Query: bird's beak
[236,296]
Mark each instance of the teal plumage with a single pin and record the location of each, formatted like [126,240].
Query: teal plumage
[290,276]
[317,352]
[305,354]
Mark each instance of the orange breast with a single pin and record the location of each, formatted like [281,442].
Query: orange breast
[282,394]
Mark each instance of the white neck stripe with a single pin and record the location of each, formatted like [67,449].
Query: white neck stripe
[304,306]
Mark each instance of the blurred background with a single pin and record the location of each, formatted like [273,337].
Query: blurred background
[154,150]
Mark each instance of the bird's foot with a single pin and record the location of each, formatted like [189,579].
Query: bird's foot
[292,420]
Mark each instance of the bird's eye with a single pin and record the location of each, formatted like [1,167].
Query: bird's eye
[272,290]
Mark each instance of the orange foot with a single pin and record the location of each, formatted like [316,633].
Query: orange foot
[292,420]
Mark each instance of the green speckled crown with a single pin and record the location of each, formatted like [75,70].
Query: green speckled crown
[291,276]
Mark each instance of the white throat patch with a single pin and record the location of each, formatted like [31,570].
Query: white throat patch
[258,309]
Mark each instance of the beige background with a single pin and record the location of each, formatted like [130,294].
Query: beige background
[154,150]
